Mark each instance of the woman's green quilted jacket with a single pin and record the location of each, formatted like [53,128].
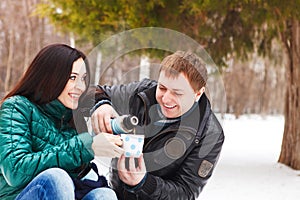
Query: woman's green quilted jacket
[34,138]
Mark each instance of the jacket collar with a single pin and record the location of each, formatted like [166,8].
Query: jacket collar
[164,120]
[56,110]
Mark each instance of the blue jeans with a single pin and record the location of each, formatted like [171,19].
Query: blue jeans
[55,183]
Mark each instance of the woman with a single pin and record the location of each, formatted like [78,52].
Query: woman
[42,154]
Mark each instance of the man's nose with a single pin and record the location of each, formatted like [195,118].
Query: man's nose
[167,96]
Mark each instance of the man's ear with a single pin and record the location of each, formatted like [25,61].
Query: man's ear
[199,94]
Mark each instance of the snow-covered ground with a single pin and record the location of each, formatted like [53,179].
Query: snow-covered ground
[248,167]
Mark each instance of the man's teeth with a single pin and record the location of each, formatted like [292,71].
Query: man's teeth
[167,106]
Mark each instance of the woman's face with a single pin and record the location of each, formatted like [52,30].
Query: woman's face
[175,95]
[75,86]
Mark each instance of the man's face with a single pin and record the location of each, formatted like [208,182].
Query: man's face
[175,95]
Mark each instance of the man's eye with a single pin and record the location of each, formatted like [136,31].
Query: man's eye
[72,78]
[162,88]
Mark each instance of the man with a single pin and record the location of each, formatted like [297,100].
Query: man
[183,138]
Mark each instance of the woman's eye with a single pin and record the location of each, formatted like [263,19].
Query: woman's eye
[83,78]
[72,78]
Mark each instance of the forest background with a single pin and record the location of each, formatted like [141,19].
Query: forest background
[254,43]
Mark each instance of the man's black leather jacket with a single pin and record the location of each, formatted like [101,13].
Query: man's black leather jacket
[180,154]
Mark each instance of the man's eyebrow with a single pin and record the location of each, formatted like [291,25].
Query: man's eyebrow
[173,89]
[178,90]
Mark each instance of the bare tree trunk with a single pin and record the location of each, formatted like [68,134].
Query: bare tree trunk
[265,100]
[98,67]
[28,34]
[41,33]
[72,39]
[144,67]
[290,150]
[9,61]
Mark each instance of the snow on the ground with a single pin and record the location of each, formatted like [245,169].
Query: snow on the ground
[248,167]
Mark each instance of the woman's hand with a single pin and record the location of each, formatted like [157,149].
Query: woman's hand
[107,145]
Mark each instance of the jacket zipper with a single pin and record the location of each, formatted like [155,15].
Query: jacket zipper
[62,121]
[146,108]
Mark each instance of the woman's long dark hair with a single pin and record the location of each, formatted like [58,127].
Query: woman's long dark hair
[47,75]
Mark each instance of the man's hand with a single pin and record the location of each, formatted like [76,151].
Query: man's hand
[107,145]
[101,118]
[133,175]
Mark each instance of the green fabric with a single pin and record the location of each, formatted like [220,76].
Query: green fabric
[34,138]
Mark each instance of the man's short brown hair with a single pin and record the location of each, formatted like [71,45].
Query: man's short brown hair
[192,66]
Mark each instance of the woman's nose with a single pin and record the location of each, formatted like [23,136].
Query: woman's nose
[80,85]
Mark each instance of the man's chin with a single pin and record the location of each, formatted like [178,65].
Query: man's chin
[169,114]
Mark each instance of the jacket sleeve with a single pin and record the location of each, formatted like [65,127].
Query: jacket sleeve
[121,94]
[189,178]
[19,164]
[87,106]
[91,97]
